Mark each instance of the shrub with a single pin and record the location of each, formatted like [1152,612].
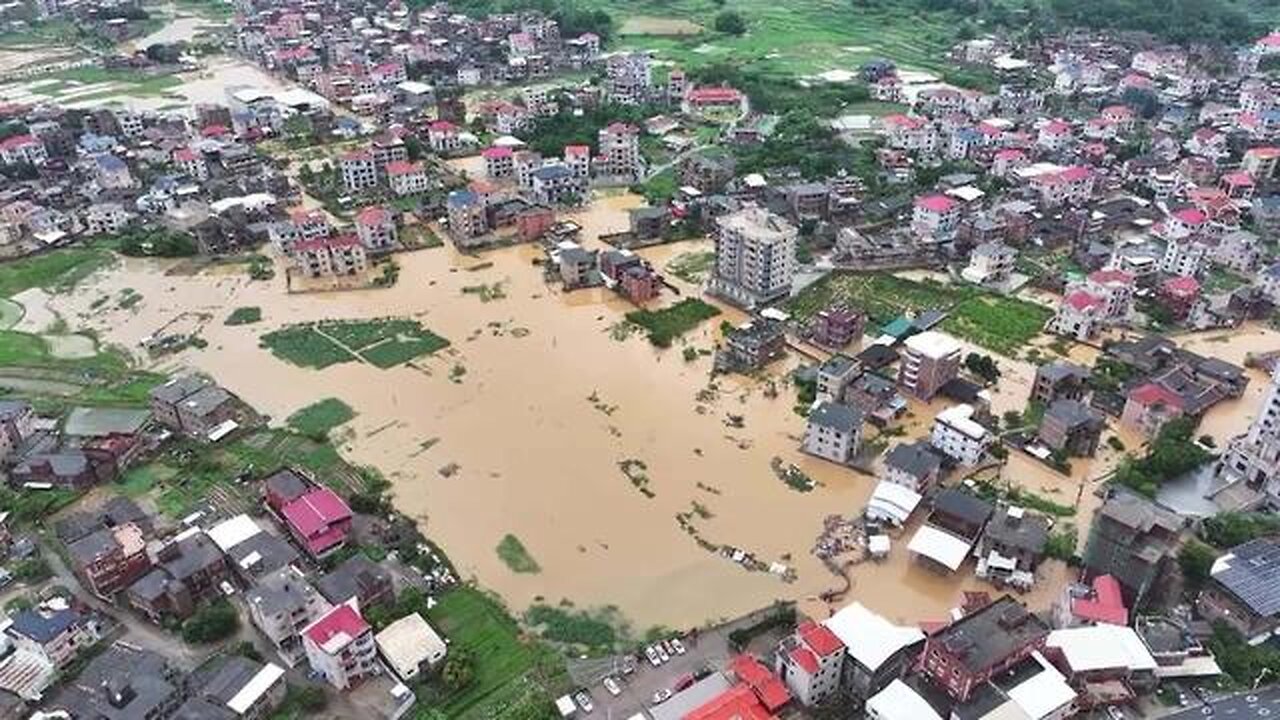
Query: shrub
[211,623]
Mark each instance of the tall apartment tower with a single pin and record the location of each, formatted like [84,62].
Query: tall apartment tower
[755,257]
[1254,457]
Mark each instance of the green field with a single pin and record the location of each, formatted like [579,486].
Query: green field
[802,37]
[998,323]
[53,271]
[244,316]
[383,343]
[515,676]
[665,325]
[316,420]
[52,384]
[516,556]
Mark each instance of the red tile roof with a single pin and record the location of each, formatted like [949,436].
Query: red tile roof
[1191,216]
[736,703]
[904,121]
[1106,605]
[1057,127]
[1182,285]
[1076,173]
[442,126]
[1265,153]
[715,95]
[1238,179]
[403,167]
[18,141]
[1111,275]
[570,150]
[769,688]
[1270,41]
[497,152]
[819,638]
[342,620]
[936,203]
[805,659]
[373,215]
[1153,394]
[317,516]
[1083,300]
[358,156]
[184,155]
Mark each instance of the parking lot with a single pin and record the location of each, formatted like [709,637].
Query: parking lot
[707,649]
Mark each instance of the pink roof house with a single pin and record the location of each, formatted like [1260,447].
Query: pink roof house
[319,520]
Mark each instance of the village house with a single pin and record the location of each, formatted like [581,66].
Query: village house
[958,436]
[913,465]
[1099,601]
[810,662]
[281,604]
[936,217]
[1131,539]
[339,646]
[837,327]
[444,137]
[877,651]
[319,520]
[251,551]
[360,579]
[1070,427]
[301,224]
[963,656]
[54,632]
[359,170]
[834,375]
[376,228]
[185,571]
[947,538]
[334,256]
[1079,315]
[407,178]
[630,275]
[1244,589]
[71,468]
[1012,546]
[499,163]
[1060,380]
[1105,663]
[751,345]
[194,406]
[990,263]
[929,361]
[618,152]
[834,432]
[411,647]
[124,681]
[17,424]
[110,559]
[467,216]
[1254,456]
[235,687]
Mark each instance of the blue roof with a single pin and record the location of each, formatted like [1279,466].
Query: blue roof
[462,198]
[551,172]
[43,626]
[899,328]
[111,163]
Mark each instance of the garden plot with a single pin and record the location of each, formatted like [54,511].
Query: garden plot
[383,343]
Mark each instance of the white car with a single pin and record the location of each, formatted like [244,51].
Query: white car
[661,696]
[666,645]
[662,652]
[652,654]
[612,686]
[677,646]
[584,702]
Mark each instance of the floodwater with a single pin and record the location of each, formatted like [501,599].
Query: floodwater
[536,403]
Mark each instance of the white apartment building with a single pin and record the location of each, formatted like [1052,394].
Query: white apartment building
[959,436]
[834,432]
[755,257]
[1254,457]
[340,646]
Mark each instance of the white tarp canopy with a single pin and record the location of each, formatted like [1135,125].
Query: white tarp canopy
[900,701]
[869,638]
[1102,647]
[940,546]
[893,502]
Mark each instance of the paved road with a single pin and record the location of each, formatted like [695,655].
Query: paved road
[1261,705]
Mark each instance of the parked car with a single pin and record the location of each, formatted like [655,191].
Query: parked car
[654,659]
[661,696]
[677,646]
[666,645]
[684,681]
[612,686]
[662,652]
[584,701]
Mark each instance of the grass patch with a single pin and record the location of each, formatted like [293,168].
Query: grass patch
[383,343]
[665,325]
[244,316]
[316,420]
[597,631]
[516,556]
[692,267]
[998,323]
[52,384]
[513,674]
[55,271]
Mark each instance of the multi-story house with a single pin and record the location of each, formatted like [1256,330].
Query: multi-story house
[17,423]
[192,405]
[837,327]
[877,651]
[333,256]
[55,635]
[191,162]
[1071,427]
[751,345]
[910,134]
[618,147]
[1079,315]
[755,257]
[834,432]
[359,170]
[281,605]
[834,376]
[112,173]
[467,215]
[339,646]
[578,159]
[936,217]
[23,149]
[499,163]
[810,663]
[1013,540]
[1254,457]
[1244,589]
[407,178]
[1131,539]
[1060,380]
[929,361]
[990,263]
[106,217]
[184,571]
[109,560]
[913,465]
[957,435]
[555,184]
[444,137]
[302,224]
[319,520]
[628,78]
[1115,288]
[962,657]
[376,228]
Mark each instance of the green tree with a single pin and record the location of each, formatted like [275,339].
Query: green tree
[730,22]
[211,623]
[458,670]
[1196,559]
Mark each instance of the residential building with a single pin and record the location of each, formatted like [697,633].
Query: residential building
[1254,457]
[1106,664]
[360,579]
[108,217]
[376,228]
[184,571]
[410,647]
[467,216]
[755,257]
[1115,288]
[280,605]
[1149,406]
[929,361]
[192,405]
[810,662]
[960,658]
[914,465]
[834,376]
[23,149]
[837,327]
[618,148]
[444,137]
[1244,589]
[958,436]
[334,256]
[499,163]
[124,682]
[1060,380]
[407,178]
[1079,315]
[17,423]
[990,263]
[339,646]
[319,520]
[1013,541]
[55,634]
[936,217]
[1071,427]
[628,78]
[751,345]
[232,688]
[555,184]
[1131,539]
[834,432]
[109,560]
[877,651]
[359,170]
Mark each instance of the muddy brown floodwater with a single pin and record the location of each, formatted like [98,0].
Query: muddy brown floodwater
[550,403]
